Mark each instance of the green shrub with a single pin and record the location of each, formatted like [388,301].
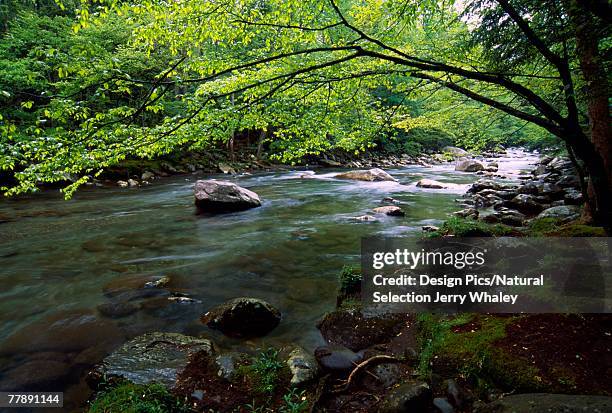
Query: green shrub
[265,372]
[350,280]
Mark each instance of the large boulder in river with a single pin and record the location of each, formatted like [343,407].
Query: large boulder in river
[243,317]
[431,184]
[391,210]
[469,165]
[152,357]
[371,175]
[223,196]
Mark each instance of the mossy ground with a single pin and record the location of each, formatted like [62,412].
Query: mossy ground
[495,352]
[462,227]
[126,397]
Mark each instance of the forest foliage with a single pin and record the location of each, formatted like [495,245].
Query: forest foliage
[84,86]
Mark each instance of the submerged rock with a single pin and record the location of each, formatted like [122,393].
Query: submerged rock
[469,165]
[152,357]
[243,317]
[117,309]
[370,175]
[223,196]
[393,211]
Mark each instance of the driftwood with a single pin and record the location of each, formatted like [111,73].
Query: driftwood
[360,367]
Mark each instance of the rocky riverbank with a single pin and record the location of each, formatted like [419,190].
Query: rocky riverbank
[390,363]
[135,173]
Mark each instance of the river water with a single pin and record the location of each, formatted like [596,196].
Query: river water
[59,257]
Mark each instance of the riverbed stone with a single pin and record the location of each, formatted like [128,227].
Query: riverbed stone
[153,357]
[119,309]
[545,403]
[370,175]
[393,211]
[303,366]
[469,165]
[573,197]
[525,204]
[243,317]
[483,184]
[36,375]
[408,397]
[223,196]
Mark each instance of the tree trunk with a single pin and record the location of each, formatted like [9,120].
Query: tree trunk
[588,34]
[260,143]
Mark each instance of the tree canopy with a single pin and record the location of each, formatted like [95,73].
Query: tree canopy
[140,80]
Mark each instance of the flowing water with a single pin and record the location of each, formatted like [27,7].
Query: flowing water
[59,257]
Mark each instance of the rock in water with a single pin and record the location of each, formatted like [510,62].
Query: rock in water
[408,397]
[243,317]
[390,210]
[223,196]
[469,165]
[371,175]
[431,184]
[152,357]
[303,366]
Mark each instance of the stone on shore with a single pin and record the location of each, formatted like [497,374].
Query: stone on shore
[303,366]
[153,357]
[408,397]
[223,196]
[563,212]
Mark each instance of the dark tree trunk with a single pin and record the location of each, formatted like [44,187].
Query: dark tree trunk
[588,30]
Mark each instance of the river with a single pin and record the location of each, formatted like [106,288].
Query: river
[59,257]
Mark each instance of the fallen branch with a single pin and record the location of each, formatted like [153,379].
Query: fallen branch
[361,366]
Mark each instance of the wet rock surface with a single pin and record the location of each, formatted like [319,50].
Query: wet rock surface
[223,196]
[152,357]
[370,175]
[393,211]
[243,317]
